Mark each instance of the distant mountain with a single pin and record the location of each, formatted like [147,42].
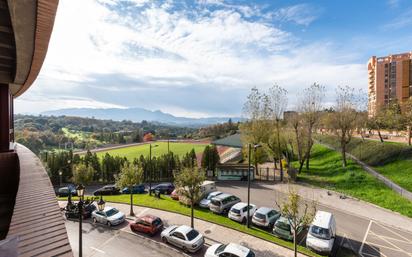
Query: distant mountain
[138,115]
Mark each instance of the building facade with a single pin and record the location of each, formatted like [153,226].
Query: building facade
[389,78]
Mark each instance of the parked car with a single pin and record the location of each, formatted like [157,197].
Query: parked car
[164,188]
[265,217]
[174,195]
[64,191]
[147,224]
[283,229]
[71,211]
[206,187]
[107,190]
[204,203]
[238,212]
[136,189]
[184,237]
[109,216]
[322,233]
[221,204]
[231,249]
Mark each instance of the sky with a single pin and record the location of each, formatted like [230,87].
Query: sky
[201,58]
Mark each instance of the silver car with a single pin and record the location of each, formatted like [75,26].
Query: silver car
[265,217]
[204,203]
[185,237]
[109,216]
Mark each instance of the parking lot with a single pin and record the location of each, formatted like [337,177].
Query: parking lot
[381,240]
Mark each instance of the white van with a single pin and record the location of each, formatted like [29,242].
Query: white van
[322,233]
[206,188]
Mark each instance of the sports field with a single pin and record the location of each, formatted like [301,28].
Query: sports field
[132,152]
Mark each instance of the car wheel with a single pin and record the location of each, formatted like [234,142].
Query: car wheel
[184,249]
[94,220]
[164,240]
[109,224]
[244,220]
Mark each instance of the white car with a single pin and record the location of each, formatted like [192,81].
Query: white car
[322,233]
[238,212]
[265,217]
[232,250]
[204,203]
[109,216]
[185,237]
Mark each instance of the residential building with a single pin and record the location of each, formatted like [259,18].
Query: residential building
[389,78]
[31,223]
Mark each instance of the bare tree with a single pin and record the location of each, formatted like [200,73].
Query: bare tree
[299,213]
[310,107]
[344,119]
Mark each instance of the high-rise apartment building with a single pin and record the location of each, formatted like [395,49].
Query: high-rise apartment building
[389,78]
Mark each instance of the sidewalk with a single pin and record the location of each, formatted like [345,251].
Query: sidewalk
[213,233]
[349,205]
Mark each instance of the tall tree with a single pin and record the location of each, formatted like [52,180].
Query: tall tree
[189,182]
[296,215]
[344,120]
[129,176]
[407,117]
[310,107]
[82,174]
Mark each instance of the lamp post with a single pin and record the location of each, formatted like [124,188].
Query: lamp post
[151,168]
[248,180]
[80,194]
[101,203]
[60,177]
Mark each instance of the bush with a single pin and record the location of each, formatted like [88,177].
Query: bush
[371,152]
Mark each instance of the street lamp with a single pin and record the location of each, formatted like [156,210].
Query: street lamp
[248,180]
[80,194]
[60,177]
[101,204]
[151,168]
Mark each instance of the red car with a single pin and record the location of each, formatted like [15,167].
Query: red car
[174,195]
[147,224]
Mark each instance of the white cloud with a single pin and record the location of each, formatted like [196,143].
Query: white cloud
[112,55]
[404,19]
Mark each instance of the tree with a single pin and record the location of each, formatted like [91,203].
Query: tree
[148,137]
[310,107]
[129,176]
[277,103]
[82,174]
[297,216]
[344,120]
[407,117]
[189,182]
[210,158]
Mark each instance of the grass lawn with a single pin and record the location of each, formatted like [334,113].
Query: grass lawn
[132,152]
[167,204]
[326,171]
[393,160]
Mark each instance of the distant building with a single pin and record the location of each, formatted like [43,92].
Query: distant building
[389,78]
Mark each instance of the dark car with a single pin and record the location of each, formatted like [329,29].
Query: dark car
[136,189]
[147,224]
[72,210]
[165,188]
[65,191]
[107,190]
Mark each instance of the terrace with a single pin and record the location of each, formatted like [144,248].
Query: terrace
[30,219]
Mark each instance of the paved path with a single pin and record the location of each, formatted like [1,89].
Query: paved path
[213,233]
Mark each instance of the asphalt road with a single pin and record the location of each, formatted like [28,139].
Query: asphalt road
[364,237]
[101,240]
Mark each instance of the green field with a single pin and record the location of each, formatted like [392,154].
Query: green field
[132,152]
[326,171]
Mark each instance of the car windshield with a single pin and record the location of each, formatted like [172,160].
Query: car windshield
[322,233]
[111,212]
[237,211]
[260,215]
[250,254]
[156,222]
[210,196]
[63,190]
[283,225]
[192,235]
[215,202]
[220,249]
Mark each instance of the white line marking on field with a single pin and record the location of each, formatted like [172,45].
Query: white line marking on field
[97,250]
[364,238]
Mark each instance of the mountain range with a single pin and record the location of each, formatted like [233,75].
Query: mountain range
[137,115]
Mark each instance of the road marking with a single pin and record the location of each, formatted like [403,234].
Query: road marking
[399,249]
[389,238]
[364,238]
[368,254]
[97,250]
[383,246]
[143,211]
[377,250]
[393,232]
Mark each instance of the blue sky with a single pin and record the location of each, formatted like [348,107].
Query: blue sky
[201,58]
